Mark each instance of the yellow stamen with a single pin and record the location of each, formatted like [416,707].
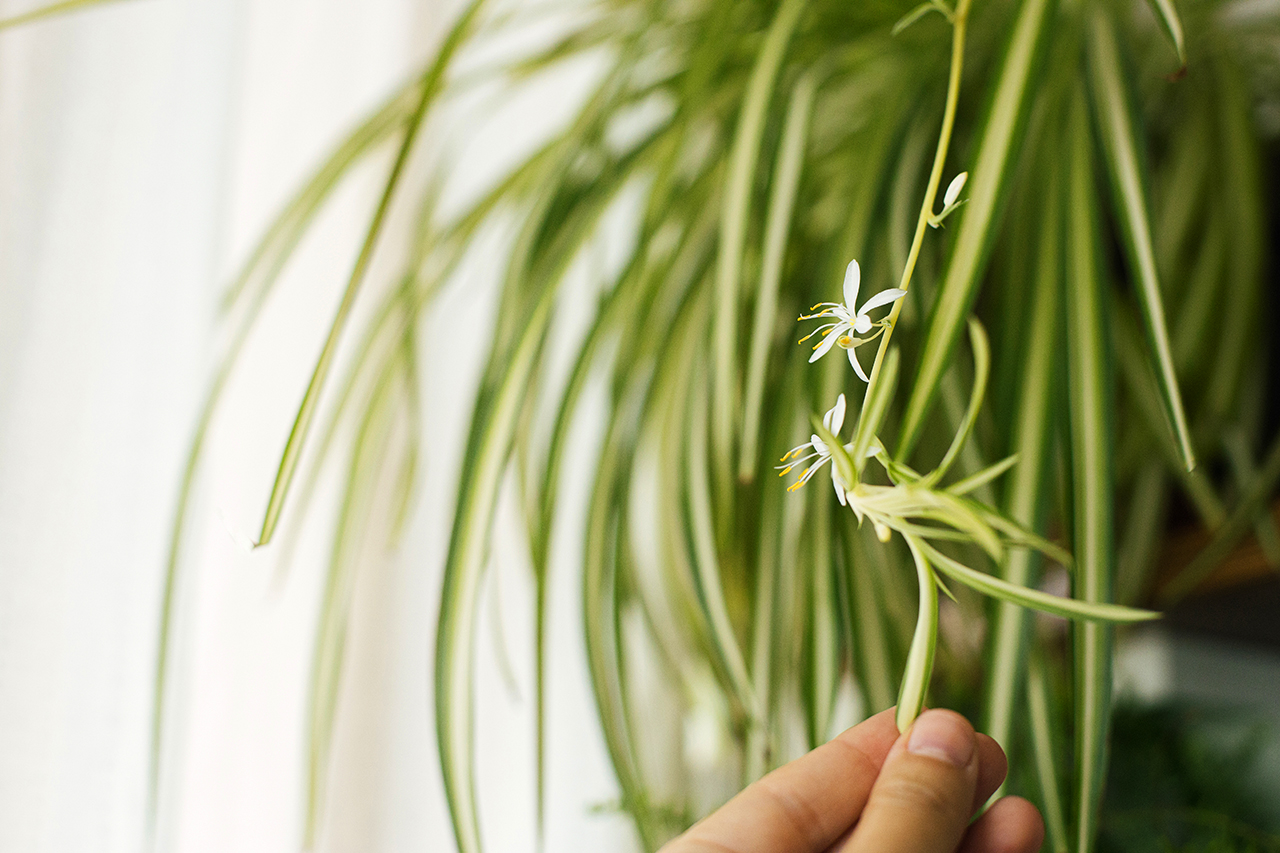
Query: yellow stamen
[797,484]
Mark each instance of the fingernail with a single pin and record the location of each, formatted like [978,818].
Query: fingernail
[942,735]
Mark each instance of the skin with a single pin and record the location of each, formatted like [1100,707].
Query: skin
[870,790]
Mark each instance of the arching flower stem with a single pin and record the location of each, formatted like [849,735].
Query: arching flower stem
[959,30]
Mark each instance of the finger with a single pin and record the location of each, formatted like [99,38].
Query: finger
[801,807]
[1012,825]
[992,768]
[923,798]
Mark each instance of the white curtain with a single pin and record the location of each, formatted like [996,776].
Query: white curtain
[143,146]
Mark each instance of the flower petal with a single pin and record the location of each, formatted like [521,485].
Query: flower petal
[835,416]
[852,281]
[953,189]
[857,368]
[825,344]
[884,297]
[862,324]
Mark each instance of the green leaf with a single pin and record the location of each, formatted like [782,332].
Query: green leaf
[706,561]
[988,185]
[1185,177]
[674,274]
[539,266]
[786,179]
[983,477]
[50,10]
[733,234]
[924,642]
[875,407]
[971,518]
[873,636]
[1144,532]
[368,459]
[262,268]
[1020,536]
[1120,144]
[981,370]
[1056,605]
[767,617]
[899,472]
[822,638]
[432,82]
[493,428]
[919,141]
[542,525]
[1172,24]
[917,13]
[1225,538]
[264,264]
[386,334]
[669,416]
[1241,184]
[1090,401]
[1195,330]
[1043,749]
[1145,400]
[600,603]
[932,532]
[1243,472]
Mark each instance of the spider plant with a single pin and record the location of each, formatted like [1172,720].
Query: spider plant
[1109,235]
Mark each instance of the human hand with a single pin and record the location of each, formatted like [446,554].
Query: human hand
[871,791]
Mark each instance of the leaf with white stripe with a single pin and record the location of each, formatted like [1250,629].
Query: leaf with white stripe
[1090,401]
[989,179]
[1120,144]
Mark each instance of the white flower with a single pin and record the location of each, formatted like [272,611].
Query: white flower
[845,322]
[950,199]
[816,449]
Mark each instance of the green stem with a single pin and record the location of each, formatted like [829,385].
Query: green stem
[919,669]
[959,26]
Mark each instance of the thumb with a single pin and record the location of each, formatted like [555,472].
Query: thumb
[923,798]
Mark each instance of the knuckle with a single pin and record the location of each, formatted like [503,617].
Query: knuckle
[798,813]
[923,795]
[864,765]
